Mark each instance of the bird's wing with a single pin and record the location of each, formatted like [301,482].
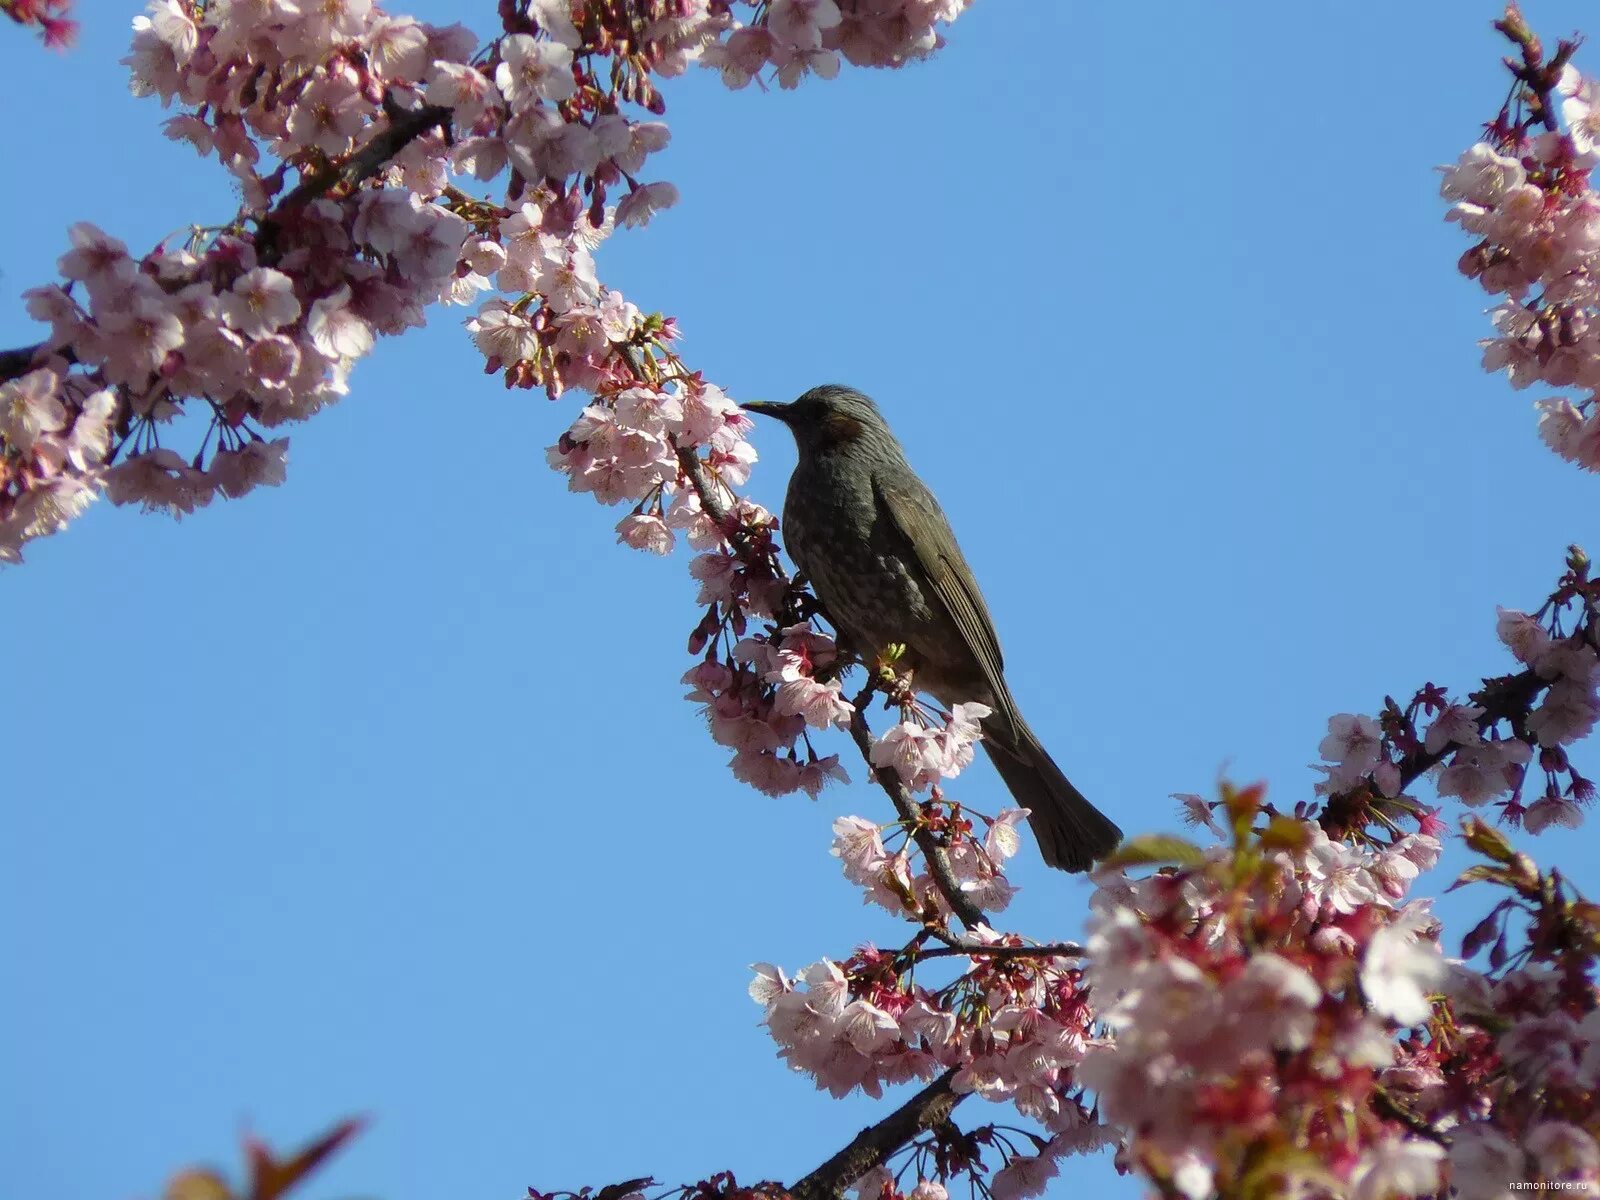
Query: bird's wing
[914,512]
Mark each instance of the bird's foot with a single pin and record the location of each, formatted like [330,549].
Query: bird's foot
[894,679]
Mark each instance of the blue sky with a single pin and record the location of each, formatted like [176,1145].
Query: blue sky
[375,793]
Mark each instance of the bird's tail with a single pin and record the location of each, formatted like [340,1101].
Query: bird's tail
[1072,833]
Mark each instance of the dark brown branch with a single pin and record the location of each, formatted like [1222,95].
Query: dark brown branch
[1505,698]
[1537,76]
[870,1148]
[404,127]
[1387,1106]
[954,946]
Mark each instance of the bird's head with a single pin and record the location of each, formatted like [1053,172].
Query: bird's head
[827,418]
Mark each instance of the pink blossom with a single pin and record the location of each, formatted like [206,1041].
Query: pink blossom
[1484,1163]
[1564,1151]
[644,202]
[769,984]
[28,407]
[1003,841]
[335,329]
[1548,811]
[138,336]
[328,114]
[260,302]
[532,70]
[1568,712]
[502,334]
[1522,635]
[1456,724]
[1397,1166]
[160,480]
[471,94]
[769,773]
[644,532]
[1023,1176]
[1477,774]
[1401,968]
[255,464]
[1352,746]
[912,752]
[1338,876]
[817,773]
[858,845]
[397,48]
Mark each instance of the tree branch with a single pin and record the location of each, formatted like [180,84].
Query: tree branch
[405,126]
[871,1147]
[1388,1106]
[1538,76]
[944,876]
[711,500]
[1504,698]
[954,946]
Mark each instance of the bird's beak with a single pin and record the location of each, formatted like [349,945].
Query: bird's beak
[769,408]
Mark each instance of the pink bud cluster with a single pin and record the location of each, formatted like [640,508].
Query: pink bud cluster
[1477,755]
[1253,992]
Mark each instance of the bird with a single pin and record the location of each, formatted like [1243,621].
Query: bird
[882,558]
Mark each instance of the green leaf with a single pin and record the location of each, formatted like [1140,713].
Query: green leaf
[1156,849]
[1488,841]
[1481,873]
[1285,833]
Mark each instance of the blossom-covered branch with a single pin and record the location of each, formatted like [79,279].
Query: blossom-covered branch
[1481,749]
[1524,191]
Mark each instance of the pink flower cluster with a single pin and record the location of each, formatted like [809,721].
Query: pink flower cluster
[263,325]
[1528,199]
[1512,1070]
[760,702]
[801,37]
[1471,757]
[1013,1028]
[898,881]
[921,755]
[625,447]
[1253,992]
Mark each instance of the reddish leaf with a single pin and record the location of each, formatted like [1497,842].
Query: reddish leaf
[270,1178]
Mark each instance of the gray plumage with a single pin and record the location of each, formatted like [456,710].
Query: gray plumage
[882,559]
